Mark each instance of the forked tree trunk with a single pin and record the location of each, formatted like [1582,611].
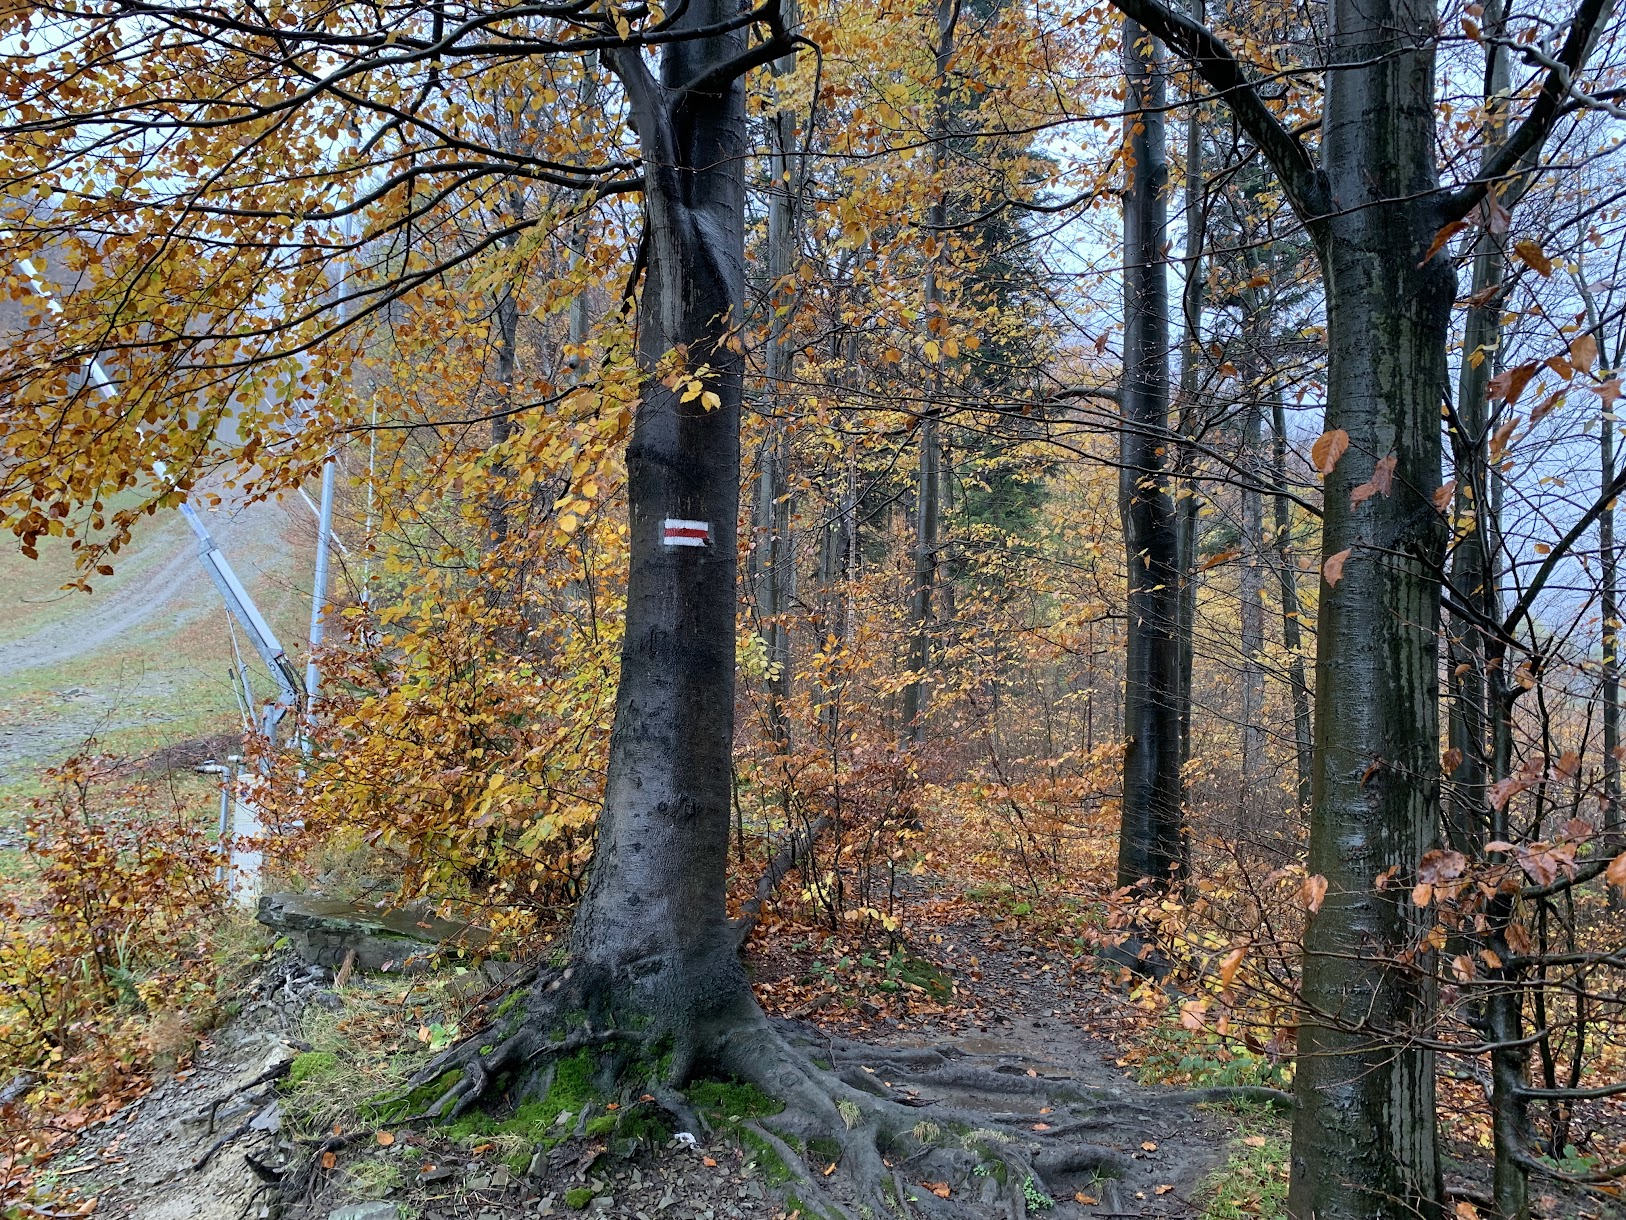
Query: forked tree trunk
[1151,840]
[1364,1143]
[651,931]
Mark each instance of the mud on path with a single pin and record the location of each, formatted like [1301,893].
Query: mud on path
[159,1161]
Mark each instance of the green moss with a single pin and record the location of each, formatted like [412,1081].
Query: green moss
[311,1065]
[733,1099]
[774,1170]
[578,1197]
[646,1123]
[509,1002]
[392,1109]
[602,1125]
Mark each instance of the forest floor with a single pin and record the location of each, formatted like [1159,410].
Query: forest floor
[1026,1016]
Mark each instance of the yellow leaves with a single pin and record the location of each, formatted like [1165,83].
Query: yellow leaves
[1327,449]
[1332,571]
[1530,253]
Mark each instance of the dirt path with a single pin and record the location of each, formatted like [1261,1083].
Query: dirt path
[1046,1073]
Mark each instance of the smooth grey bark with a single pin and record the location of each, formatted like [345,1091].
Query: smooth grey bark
[652,929]
[929,474]
[1151,838]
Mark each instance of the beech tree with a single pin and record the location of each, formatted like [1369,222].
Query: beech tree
[1371,195]
[1151,842]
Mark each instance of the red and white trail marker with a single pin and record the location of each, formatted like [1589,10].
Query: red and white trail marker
[685,533]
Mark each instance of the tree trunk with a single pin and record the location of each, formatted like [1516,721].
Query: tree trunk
[1287,574]
[1151,841]
[929,477]
[1251,593]
[1189,413]
[1364,1141]
[774,555]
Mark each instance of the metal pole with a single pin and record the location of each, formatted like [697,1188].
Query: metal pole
[324,539]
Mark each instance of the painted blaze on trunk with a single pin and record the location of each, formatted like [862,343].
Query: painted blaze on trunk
[652,929]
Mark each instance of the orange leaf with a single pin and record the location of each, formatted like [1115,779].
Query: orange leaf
[329,1160]
[1443,236]
[1333,570]
[1149,1145]
[709,1162]
[1615,874]
[1041,1126]
[1328,448]
[1229,964]
[1255,1141]
[1608,391]
[1442,496]
[1313,892]
[385,1138]
[1548,405]
[1162,1190]
[940,1189]
[1214,561]
[1087,1200]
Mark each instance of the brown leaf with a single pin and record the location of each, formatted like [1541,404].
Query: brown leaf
[1149,1145]
[1380,484]
[1609,391]
[1214,561]
[1445,234]
[1443,494]
[1087,1200]
[1510,383]
[1451,761]
[1328,448]
[329,1160]
[1548,405]
[940,1189]
[385,1138]
[1333,570]
[1533,256]
[1584,351]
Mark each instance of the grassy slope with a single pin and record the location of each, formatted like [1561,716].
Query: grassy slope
[165,679]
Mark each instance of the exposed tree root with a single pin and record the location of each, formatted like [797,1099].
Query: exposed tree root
[915,1132]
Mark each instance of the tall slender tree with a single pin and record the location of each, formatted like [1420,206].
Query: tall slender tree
[1151,838]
